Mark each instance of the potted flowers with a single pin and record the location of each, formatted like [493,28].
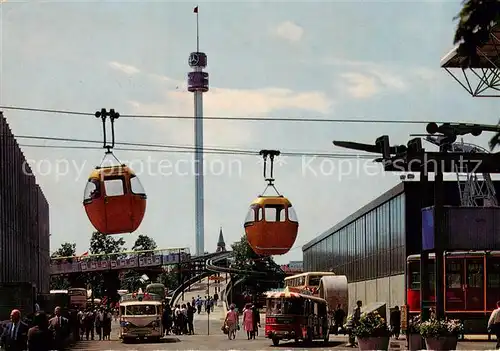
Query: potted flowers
[372,332]
[415,341]
[441,334]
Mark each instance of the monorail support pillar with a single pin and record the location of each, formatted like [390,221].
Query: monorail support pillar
[424,254]
[438,239]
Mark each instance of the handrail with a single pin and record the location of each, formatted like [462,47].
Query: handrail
[177,292]
[194,279]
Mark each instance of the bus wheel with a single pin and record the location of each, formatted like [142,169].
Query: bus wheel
[276,342]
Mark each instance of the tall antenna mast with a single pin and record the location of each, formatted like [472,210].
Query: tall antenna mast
[198,84]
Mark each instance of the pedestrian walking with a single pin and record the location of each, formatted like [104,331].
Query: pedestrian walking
[15,334]
[40,338]
[494,324]
[248,320]
[59,326]
[190,318]
[396,322]
[356,316]
[256,321]
[338,317]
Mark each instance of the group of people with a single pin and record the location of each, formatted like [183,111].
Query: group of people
[179,320]
[95,321]
[251,320]
[208,303]
[45,332]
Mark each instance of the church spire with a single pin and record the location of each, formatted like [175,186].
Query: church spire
[221,245]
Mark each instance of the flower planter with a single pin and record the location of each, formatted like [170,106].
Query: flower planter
[444,343]
[415,342]
[374,343]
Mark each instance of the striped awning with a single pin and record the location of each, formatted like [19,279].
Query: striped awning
[286,293]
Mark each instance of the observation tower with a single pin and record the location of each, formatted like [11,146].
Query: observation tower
[198,84]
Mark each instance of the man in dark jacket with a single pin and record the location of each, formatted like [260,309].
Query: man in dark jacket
[15,334]
[396,322]
[338,318]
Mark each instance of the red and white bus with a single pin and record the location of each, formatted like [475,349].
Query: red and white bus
[471,283]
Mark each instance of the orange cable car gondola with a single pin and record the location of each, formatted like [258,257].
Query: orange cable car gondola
[114,198]
[271,225]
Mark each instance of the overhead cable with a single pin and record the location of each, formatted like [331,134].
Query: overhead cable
[226,118]
[210,152]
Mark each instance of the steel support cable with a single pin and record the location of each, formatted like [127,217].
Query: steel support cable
[184,148]
[226,118]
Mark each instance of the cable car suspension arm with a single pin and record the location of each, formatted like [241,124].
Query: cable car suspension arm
[103,115]
[271,154]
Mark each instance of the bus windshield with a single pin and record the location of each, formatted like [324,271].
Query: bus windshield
[285,306]
[141,310]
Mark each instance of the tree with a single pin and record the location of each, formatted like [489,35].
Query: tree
[131,278]
[244,256]
[144,243]
[475,21]
[105,244]
[106,283]
[59,282]
[66,250]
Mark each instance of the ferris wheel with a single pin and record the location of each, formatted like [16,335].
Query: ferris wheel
[476,190]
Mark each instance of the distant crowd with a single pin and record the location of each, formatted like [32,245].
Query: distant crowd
[180,320]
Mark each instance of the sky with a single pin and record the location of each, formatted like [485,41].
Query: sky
[330,59]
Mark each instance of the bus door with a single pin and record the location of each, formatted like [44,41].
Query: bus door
[474,284]
[455,284]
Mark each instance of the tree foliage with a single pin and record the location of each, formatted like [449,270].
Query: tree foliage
[58,282]
[475,21]
[144,243]
[66,250]
[245,258]
[131,278]
[105,244]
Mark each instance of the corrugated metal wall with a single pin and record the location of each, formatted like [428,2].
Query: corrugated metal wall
[24,218]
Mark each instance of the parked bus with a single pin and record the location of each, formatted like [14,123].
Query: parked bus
[78,297]
[306,281]
[156,288]
[294,316]
[471,285]
[140,317]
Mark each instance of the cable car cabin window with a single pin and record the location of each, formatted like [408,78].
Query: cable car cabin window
[274,213]
[292,215]
[114,186]
[454,272]
[136,186]
[92,190]
[254,214]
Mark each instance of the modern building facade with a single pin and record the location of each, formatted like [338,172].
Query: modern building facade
[371,245]
[24,218]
